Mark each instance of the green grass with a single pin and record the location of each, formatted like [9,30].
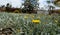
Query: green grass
[22,23]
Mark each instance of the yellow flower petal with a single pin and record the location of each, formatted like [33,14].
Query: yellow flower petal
[36,21]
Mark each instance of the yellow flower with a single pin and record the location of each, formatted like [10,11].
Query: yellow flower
[36,21]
